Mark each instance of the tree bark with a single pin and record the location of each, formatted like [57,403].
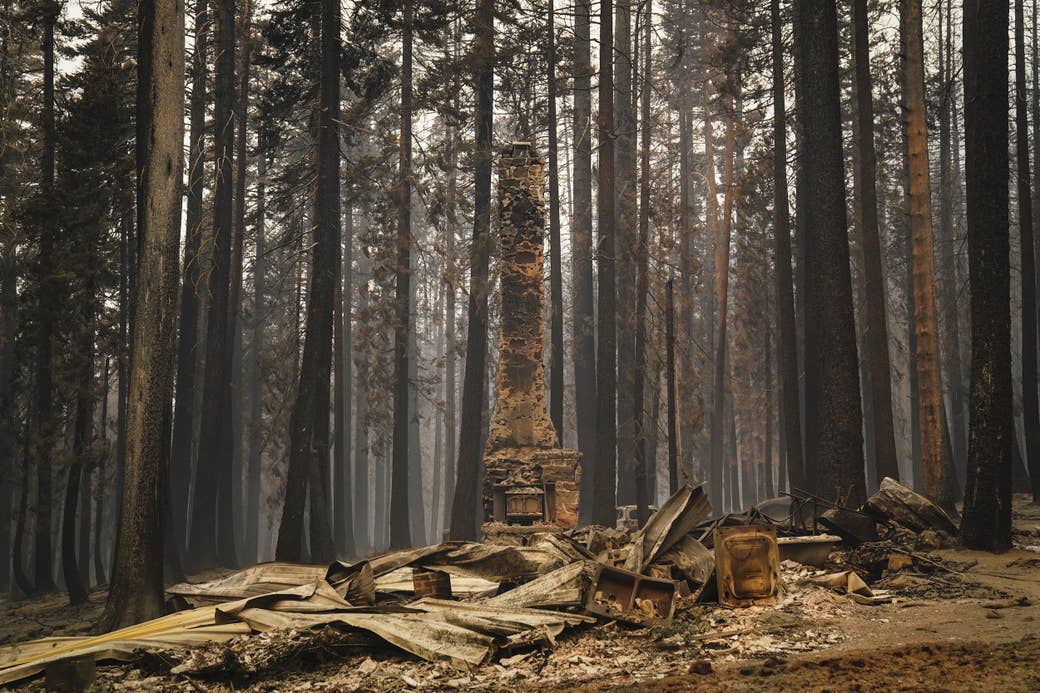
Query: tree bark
[309,421]
[43,433]
[887,463]
[604,468]
[583,348]
[555,259]
[400,512]
[986,520]
[1030,401]
[343,483]
[362,487]
[136,593]
[256,371]
[787,372]
[949,274]
[673,443]
[644,467]
[184,407]
[833,435]
[625,224]
[722,242]
[214,453]
[464,519]
[938,475]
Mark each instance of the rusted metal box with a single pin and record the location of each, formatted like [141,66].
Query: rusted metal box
[431,583]
[626,596]
[747,565]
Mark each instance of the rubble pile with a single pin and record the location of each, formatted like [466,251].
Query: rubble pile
[563,605]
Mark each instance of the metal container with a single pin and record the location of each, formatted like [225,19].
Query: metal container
[431,583]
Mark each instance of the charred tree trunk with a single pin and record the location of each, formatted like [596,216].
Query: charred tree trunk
[673,443]
[555,259]
[604,468]
[722,242]
[645,468]
[362,525]
[49,287]
[184,407]
[256,374]
[986,521]
[787,373]
[1030,401]
[309,422]
[136,592]
[464,520]
[214,455]
[949,274]
[400,512]
[343,527]
[833,435]
[583,349]
[625,223]
[883,430]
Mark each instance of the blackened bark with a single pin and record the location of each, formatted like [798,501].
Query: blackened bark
[214,455]
[986,520]
[833,435]
[184,407]
[136,592]
[883,430]
[1030,401]
[343,529]
[309,421]
[256,373]
[673,431]
[42,433]
[99,503]
[231,524]
[950,274]
[362,486]
[583,349]
[555,260]
[400,512]
[645,468]
[464,518]
[787,372]
[625,223]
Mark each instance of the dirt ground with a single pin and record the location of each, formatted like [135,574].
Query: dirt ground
[975,629]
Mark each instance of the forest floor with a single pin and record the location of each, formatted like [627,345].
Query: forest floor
[974,629]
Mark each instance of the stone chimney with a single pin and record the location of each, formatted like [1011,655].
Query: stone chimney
[530,484]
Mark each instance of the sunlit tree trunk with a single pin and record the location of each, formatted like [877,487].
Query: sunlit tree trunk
[136,591]
[938,475]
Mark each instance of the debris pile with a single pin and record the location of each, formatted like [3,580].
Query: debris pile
[463,606]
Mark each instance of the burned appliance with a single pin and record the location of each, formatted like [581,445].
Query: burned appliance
[747,565]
